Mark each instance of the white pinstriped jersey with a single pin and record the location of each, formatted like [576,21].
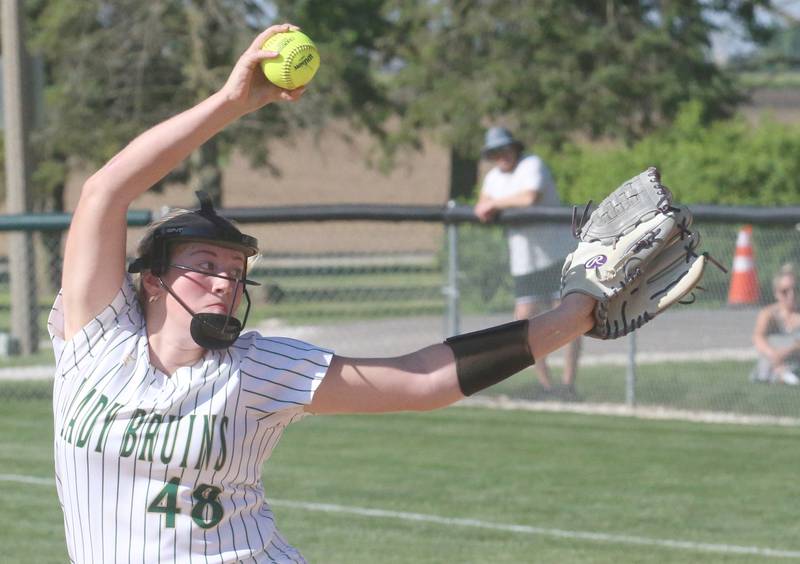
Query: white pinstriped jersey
[156,468]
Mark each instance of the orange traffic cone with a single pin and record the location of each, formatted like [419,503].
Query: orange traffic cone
[744,280]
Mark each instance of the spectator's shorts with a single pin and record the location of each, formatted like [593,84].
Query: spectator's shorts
[539,285]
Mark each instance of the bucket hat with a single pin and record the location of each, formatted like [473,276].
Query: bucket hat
[497,138]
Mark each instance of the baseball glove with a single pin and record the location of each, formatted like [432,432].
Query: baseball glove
[636,255]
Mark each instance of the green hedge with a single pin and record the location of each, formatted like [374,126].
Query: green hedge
[731,162]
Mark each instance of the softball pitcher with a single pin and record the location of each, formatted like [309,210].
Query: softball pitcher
[165,411]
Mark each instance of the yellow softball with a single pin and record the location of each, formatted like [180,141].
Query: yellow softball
[297,60]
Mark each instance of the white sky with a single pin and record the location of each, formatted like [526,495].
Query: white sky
[729,41]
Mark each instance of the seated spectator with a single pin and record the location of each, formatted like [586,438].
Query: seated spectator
[777,333]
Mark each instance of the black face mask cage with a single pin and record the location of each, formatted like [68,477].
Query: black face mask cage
[244,281]
[214,330]
[209,330]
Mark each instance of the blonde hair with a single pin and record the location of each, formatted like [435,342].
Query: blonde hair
[787,269]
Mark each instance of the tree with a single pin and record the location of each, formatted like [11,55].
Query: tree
[551,69]
[115,67]
[349,35]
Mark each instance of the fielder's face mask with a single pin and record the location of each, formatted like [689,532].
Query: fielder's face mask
[209,330]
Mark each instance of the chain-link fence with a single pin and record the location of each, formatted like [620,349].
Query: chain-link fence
[380,281]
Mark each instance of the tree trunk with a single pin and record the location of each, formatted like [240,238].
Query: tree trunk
[205,172]
[463,176]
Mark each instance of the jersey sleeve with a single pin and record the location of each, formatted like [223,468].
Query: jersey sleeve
[280,375]
[123,314]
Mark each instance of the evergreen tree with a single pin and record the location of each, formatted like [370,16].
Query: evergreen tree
[550,69]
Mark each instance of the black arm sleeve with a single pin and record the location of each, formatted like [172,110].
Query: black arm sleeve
[486,357]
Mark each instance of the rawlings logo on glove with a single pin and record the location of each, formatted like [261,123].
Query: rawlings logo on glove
[636,256]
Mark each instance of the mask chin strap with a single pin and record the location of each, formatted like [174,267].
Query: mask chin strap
[213,330]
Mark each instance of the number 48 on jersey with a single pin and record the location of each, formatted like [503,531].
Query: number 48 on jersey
[207,512]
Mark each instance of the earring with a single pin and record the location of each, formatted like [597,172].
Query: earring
[153,299]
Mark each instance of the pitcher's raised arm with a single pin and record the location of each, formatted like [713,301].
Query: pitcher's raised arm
[94,257]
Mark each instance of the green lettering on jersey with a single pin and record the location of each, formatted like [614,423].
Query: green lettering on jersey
[81,405]
[164,458]
[188,440]
[111,414]
[223,453]
[74,397]
[149,437]
[205,443]
[166,502]
[83,434]
[129,440]
[207,511]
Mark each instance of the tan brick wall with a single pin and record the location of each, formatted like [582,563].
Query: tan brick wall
[324,170]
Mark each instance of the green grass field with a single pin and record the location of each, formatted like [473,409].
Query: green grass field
[600,489]
[722,386]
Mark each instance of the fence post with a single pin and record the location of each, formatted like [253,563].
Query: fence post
[22,278]
[452,321]
[630,376]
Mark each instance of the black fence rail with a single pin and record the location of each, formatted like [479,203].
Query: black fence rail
[447,214]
